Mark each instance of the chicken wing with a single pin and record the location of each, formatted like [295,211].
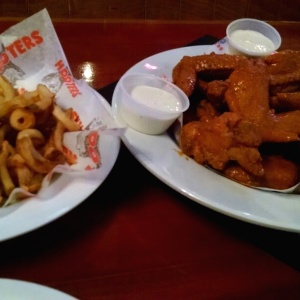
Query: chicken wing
[225,138]
[248,95]
[185,72]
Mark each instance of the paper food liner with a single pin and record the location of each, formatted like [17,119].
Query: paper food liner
[221,47]
[31,54]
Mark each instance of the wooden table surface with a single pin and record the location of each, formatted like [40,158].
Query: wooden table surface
[145,240]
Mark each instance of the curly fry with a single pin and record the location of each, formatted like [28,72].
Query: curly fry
[15,160]
[37,101]
[35,135]
[28,179]
[33,158]
[70,124]
[22,118]
[7,107]
[3,131]
[51,152]
[6,89]
[46,97]
[24,175]
[6,180]
[59,132]
[35,183]
[32,127]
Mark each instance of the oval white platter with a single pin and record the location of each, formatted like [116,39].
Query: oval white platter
[161,156]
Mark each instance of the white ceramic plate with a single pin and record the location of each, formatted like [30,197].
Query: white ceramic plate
[160,155]
[17,289]
[63,194]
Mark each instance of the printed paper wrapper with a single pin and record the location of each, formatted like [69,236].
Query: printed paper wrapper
[221,47]
[31,54]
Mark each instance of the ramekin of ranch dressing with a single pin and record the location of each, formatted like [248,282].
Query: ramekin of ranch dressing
[252,37]
[149,103]
[252,40]
[156,98]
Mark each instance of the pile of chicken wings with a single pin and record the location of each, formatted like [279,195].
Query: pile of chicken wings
[244,116]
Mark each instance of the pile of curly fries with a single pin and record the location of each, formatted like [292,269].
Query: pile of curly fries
[32,126]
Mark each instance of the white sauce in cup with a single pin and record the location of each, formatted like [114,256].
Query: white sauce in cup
[149,103]
[252,40]
[156,98]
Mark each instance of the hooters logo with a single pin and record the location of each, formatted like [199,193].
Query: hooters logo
[92,147]
[4,60]
[67,78]
[87,145]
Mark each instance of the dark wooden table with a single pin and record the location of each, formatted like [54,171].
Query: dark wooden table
[146,241]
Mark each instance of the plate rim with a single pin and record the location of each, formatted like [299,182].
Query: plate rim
[21,287]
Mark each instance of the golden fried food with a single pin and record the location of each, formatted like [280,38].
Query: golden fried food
[6,89]
[221,140]
[215,92]
[206,111]
[26,143]
[253,103]
[279,173]
[69,123]
[22,118]
[185,72]
[6,180]
[257,103]
[284,67]
[285,101]
[235,172]
[250,103]
[32,126]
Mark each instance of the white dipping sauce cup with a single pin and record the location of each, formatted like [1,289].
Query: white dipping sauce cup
[255,25]
[145,118]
